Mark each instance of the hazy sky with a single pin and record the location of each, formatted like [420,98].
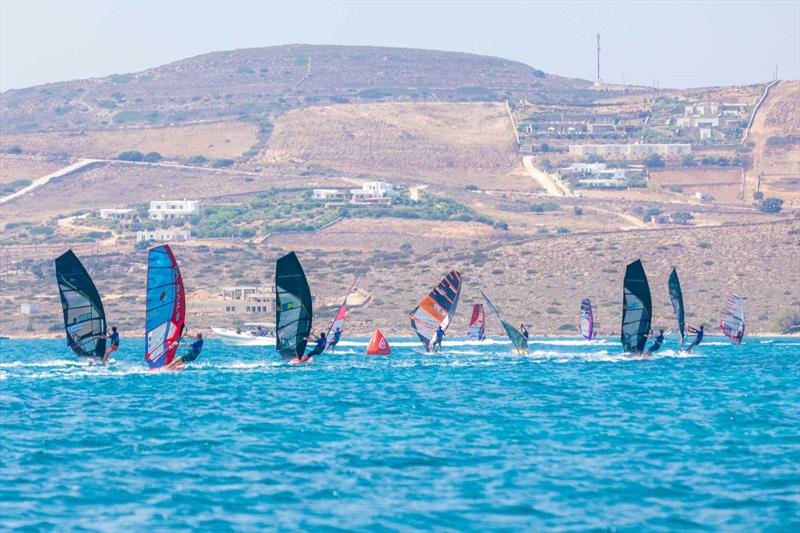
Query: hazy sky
[680,44]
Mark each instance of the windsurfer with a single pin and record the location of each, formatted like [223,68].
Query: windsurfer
[698,339]
[113,345]
[438,341]
[194,350]
[336,336]
[319,347]
[523,329]
[659,340]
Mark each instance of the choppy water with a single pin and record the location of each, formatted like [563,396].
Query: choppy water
[572,437]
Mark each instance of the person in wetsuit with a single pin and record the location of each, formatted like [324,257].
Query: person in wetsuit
[523,329]
[698,339]
[319,347]
[659,340]
[113,343]
[336,336]
[438,340]
[194,350]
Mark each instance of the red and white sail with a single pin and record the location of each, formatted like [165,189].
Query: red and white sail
[477,323]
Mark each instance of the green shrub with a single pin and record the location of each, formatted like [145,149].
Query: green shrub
[15,150]
[152,157]
[654,161]
[567,327]
[222,163]
[562,230]
[132,155]
[771,205]
[197,160]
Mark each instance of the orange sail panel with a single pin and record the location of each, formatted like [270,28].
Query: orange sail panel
[378,345]
[437,308]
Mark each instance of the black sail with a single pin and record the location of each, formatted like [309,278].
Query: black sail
[637,308]
[676,297]
[84,316]
[292,306]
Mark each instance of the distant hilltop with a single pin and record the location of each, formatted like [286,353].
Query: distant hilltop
[242,84]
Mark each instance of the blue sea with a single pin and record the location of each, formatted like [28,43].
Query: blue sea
[573,437]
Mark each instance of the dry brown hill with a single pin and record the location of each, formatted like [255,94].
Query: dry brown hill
[251,82]
[405,139]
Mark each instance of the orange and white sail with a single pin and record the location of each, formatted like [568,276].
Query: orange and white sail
[477,323]
[437,308]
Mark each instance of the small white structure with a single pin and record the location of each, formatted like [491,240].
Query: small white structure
[163,235]
[28,308]
[704,196]
[373,192]
[630,150]
[170,209]
[330,194]
[114,213]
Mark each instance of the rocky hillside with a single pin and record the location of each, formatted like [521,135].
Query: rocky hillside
[248,83]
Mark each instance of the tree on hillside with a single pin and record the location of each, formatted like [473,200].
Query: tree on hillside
[654,161]
[681,217]
[771,205]
[688,161]
[758,196]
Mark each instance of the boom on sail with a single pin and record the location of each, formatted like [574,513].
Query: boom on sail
[732,323]
[436,309]
[339,319]
[293,310]
[676,297]
[84,316]
[587,320]
[477,323]
[518,340]
[637,309]
[166,307]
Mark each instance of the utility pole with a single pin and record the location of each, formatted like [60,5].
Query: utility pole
[598,59]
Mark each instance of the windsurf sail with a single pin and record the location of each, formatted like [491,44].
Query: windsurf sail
[437,308]
[84,317]
[587,320]
[637,308]
[732,322]
[292,307]
[517,339]
[676,297]
[339,319]
[378,345]
[477,323]
[166,307]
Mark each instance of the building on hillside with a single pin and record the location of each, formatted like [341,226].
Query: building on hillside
[172,209]
[29,308]
[373,192]
[164,235]
[114,213]
[243,299]
[330,195]
[630,151]
[370,193]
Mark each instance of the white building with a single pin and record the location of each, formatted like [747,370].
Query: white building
[117,213]
[29,309]
[169,209]
[330,194]
[371,192]
[164,235]
[630,150]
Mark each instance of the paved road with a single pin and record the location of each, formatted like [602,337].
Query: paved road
[38,182]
